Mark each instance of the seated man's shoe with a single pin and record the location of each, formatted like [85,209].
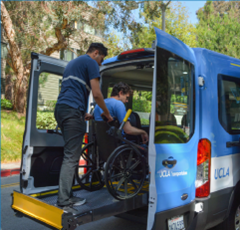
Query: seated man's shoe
[77,201]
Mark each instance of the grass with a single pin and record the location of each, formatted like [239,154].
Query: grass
[12,129]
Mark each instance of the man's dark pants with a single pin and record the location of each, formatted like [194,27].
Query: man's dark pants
[73,127]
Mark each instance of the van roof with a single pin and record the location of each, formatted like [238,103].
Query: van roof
[216,54]
[131,55]
[148,52]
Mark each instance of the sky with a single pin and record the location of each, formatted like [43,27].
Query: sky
[193,6]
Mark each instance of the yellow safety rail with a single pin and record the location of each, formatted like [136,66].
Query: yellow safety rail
[125,118]
[127,115]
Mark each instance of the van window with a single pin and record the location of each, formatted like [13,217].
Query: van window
[48,91]
[174,120]
[229,103]
[141,104]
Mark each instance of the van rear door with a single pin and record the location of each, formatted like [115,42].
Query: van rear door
[174,135]
[42,152]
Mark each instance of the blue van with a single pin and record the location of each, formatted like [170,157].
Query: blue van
[193,121]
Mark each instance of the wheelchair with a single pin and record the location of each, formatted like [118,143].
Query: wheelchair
[112,160]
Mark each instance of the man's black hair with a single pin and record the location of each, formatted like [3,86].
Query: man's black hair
[98,46]
[125,88]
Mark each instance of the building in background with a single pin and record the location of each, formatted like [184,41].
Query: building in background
[49,84]
[3,62]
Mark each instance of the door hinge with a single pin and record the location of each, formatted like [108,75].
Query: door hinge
[38,64]
[25,149]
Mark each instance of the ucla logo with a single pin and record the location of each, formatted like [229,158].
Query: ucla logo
[221,173]
[164,173]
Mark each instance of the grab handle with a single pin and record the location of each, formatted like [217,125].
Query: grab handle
[125,118]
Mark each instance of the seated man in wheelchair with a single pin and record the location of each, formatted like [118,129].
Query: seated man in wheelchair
[111,159]
[115,104]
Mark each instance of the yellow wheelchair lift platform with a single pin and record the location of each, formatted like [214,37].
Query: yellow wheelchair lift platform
[100,204]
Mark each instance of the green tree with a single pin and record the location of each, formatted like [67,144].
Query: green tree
[219,28]
[223,7]
[177,24]
[47,26]
[114,46]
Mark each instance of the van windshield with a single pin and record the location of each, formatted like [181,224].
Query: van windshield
[174,120]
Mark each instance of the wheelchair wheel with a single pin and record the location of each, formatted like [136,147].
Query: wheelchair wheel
[89,175]
[125,172]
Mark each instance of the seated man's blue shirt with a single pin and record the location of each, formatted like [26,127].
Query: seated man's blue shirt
[76,85]
[116,109]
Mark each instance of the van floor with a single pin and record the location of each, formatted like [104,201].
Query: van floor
[102,204]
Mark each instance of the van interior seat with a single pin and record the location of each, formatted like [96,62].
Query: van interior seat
[135,122]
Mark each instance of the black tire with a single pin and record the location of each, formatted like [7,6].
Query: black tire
[89,175]
[233,220]
[125,172]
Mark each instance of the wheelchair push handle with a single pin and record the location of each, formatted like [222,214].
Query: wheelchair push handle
[125,119]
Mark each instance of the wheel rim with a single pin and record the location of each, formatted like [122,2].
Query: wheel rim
[237,219]
[125,174]
[88,175]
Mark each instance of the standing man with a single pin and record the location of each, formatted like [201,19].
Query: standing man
[79,77]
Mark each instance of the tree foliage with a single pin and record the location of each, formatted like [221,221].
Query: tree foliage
[113,44]
[177,24]
[47,26]
[219,28]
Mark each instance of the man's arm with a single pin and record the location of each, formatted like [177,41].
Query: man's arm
[129,129]
[98,97]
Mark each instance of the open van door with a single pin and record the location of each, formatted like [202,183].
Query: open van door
[174,135]
[42,150]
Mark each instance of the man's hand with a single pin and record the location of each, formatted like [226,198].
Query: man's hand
[144,137]
[108,116]
[98,97]
[88,117]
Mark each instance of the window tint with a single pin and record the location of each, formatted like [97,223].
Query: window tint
[88,29]
[68,55]
[48,91]
[141,104]
[174,119]
[229,103]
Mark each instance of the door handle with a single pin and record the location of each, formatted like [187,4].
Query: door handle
[169,163]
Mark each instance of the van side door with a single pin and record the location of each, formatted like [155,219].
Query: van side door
[174,134]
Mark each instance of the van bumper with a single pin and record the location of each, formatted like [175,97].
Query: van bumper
[161,218]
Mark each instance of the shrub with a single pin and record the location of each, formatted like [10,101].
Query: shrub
[6,104]
[46,120]
[51,105]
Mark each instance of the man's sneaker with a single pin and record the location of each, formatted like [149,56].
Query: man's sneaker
[77,201]
[69,209]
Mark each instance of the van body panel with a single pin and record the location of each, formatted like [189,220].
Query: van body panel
[174,45]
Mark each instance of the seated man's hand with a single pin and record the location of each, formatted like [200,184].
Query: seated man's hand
[144,137]
[88,117]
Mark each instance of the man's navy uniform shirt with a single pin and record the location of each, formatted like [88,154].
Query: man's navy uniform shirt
[76,85]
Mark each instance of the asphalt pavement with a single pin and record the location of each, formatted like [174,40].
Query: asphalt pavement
[10,222]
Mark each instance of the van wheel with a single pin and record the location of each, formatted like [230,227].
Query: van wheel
[89,174]
[125,172]
[233,220]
